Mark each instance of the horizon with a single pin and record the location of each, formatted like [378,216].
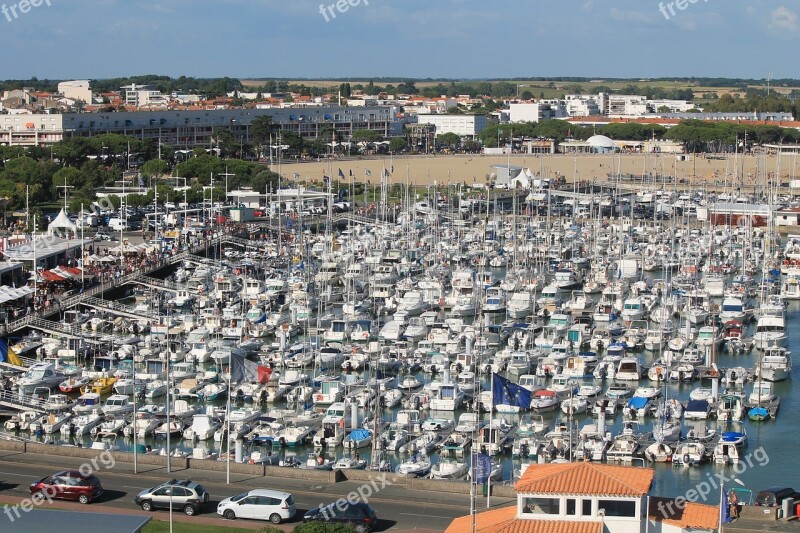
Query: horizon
[451,40]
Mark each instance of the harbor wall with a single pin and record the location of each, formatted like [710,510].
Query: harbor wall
[316,476]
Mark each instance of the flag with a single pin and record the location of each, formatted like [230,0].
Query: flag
[351,172]
[297,175]
[724,509]
[243,370]
[367,172]
[7,355]
[264,373]
[392,168]
[326,179]
[507,393]
[341,174]
[481,467]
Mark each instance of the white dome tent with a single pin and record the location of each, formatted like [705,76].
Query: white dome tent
[62,222]
[601,144]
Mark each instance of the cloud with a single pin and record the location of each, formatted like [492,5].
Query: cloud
[783,20]
[630,16]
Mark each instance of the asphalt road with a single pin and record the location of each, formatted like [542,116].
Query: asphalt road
[397,507]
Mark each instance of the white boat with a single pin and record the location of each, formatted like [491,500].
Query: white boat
[629,369]
[449,468]
[689,454]
[776,364]
[419,465]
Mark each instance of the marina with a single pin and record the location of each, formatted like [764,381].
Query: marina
[508,326]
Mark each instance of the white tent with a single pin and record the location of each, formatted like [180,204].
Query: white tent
[62,222]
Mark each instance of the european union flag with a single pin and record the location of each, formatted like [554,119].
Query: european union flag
[481,467]
[507,393]
[341,174]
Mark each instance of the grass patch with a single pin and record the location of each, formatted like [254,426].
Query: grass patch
[160,526]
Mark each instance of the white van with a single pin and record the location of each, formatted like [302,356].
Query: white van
[117,224]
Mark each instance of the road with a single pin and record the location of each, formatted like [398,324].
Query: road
[398,508]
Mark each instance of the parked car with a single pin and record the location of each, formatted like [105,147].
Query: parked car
[774,496]
[259,504]
[359,515]
[68,485]
[188,496]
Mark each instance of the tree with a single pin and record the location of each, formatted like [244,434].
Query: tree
[527,95]
[154,168]
[365,136]
[261,129]
[664,109]
[449,139]
[397,144]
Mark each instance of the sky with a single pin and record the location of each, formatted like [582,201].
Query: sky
[460,39]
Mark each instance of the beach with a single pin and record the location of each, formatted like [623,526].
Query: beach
[475,168]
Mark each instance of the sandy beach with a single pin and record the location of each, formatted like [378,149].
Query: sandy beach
[444,169]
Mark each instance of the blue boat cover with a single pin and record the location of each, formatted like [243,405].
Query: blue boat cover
[697,405]
[637,402]
[359,434]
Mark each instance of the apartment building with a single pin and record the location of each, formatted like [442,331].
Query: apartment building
[76,90]
[463,125]
[187,129]
[536,112]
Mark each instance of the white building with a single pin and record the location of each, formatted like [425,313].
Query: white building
[625,105]
[580,105]
[590,498]
[143,96]
[463,125]
[536,112]
[76,90]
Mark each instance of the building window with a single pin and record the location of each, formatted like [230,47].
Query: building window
[587,508]
[541,506]
[621,508]
[571,507]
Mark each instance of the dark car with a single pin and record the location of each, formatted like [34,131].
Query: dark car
[187,496]
[774,496]
[359,515]
[68,485]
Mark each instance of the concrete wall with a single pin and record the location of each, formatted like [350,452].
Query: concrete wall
[315,476]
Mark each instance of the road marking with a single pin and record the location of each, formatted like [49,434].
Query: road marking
[426,516]
[14,474]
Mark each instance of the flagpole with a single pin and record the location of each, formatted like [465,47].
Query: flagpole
[489,449]
[228,423]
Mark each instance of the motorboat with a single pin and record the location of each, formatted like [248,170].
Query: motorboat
[41,375]
[689,454]
[775,365]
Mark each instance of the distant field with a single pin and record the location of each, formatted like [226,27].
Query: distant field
[542,88]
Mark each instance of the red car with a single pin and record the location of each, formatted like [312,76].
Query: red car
[68,485]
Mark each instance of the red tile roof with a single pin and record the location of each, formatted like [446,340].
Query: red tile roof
[505,520]
[692,515]
[586,478]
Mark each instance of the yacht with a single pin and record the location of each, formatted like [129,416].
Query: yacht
[520,305]
[776,364]
[494,301]
[770,330]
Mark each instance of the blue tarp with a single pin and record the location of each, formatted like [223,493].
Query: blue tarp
[637,402]
[359,434]
[697,405]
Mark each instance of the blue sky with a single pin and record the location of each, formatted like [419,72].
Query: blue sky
[413,38]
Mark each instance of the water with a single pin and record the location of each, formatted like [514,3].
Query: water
[776,436]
